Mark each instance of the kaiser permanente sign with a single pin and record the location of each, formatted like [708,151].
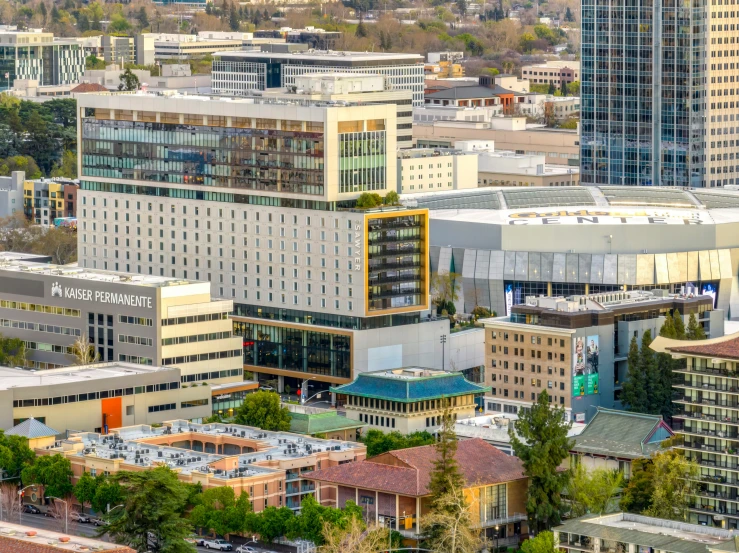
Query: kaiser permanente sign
[599,216]
[131,300]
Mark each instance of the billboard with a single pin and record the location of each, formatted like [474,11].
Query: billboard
[709,289]
[585,366]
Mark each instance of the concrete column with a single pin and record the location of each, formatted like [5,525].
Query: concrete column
[333,399]
[587,288]
[377,508]
[281,384]
[549,288]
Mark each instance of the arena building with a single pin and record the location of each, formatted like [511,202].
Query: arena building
[508,244]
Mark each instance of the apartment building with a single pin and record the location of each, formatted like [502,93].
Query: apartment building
[353,88]
[145,319]
[409,399]
[707,400]
[424,170]
[11,194]
[118,49]
[32,55]
[257,196]
[45,200]
[99,397]
[271,467]
[240,72]
[576,349]
[556,72]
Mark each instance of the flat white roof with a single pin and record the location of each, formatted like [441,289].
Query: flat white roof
[48,539]
[325,55]
[17,265]
[21,378]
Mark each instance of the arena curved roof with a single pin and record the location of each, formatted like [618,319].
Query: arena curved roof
[510,198]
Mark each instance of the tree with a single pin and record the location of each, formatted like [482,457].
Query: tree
[648,366]
[564,88]
[369,200]
[59,243]
[637,495]
[552,89]
[481,313]
[93,62]
[153,503]
[313,516]
[143,18]
[392,198]
[271,523]
[129,80]
[446,288]
[361,31]
[378,441]
[679,325]
[695,330]
[53,472]
[450,526]
[541,543]
[462,7]
[218,510]
[446,476]
[15,455]
[539,439]
[673,485]
[119,25]
[667,330]
[593,491]
[355,538]
[108,494]
[12,352]
[568,15]
[20,163]
[263,410]
[68,166]
[84,351]
[634,391]
[85,489]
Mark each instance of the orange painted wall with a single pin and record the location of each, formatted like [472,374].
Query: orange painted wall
[111,407]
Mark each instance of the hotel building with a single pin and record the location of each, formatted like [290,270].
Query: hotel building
[258,197]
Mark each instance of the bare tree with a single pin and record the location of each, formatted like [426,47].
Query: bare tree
[455,529]
[10,501]
[354,539]
[84,351]
[445,287]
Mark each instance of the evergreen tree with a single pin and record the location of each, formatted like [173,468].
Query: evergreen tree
[637,495]
[361,31]
[462,7]
[445,476]
[634,392]
[539,439]
[648,365]
[564,88]
[552,88]
[665,370]
[679,325]
[83,23]
[568,15]
[695,330]
[143,18]
[233,18]
[668,327]
[42,11]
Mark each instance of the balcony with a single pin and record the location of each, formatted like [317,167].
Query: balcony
[297,490]
[723,419]
[722,373]
[718,479]
[711,402]
[710,387]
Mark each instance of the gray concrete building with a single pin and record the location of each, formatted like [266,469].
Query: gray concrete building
[11,194]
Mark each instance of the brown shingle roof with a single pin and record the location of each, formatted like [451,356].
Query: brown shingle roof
[88,87]
[408,471]
[726,349]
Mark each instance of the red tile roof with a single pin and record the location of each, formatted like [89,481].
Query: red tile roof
[480,463]
[727,349]
[88,87]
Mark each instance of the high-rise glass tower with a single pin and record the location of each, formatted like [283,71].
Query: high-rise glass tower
[645,102]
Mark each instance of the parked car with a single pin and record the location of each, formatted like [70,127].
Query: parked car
[220,545]
[246,549]
[31,509]
[51,514]
[80,517]
[98,521]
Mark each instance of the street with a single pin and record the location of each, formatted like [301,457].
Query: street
[85,530]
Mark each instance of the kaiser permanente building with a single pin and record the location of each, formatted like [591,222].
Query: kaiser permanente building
[146,319]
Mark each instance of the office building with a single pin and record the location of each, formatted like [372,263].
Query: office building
[576,349]
[238,73]
[632,532]
[432,170]
[312,37]
[271,467]
[355,89]
[584,240]
[393,489]
[37,56]
[612,440]
[320,289]
[11,194]
[552,72]
[118,49]
[99,397]
[168,46]
[16,538]
[151,320]
[706,419]
[410,399]
[658,111]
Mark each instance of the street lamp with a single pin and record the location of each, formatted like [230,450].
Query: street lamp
[66,513]
[496,537]
[304,389]
[20,502]
[442,339]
